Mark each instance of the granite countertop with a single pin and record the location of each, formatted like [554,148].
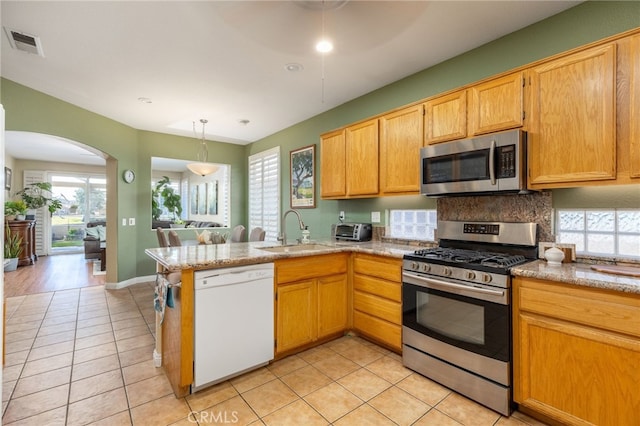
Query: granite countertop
[235,254]
[579,274]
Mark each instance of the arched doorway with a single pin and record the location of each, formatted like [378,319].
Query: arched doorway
[78,175]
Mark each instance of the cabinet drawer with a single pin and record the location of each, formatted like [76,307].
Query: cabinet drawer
[378,329]
[301,268]
[591,307]
[378,266]
[378,307]
[386,289]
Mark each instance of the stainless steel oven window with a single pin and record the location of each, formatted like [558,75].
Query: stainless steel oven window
[452,318]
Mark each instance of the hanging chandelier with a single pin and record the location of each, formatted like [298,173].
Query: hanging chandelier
[201,167]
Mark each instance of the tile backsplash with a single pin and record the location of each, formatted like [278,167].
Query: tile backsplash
[535,207]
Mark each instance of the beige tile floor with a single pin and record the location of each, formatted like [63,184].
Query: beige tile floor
[84,356]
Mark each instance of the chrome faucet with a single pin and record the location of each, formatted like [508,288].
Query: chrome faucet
[283,233]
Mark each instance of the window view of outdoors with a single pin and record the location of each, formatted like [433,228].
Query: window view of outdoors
[84,200]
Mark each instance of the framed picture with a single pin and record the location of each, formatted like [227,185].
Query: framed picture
[303,178]
[7,179]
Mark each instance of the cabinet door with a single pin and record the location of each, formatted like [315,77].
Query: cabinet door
[634,122]
[296,315]
[332,165]
[362,158]
[572,372]
[400,143]
[497,104]
[445,118]
[572,135]
[332,305]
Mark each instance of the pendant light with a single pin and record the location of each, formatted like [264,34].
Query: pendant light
[201,167]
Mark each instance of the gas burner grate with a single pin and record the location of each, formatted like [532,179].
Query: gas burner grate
[502,261]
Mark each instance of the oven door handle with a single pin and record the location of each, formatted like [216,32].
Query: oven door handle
[492,162]
[444,286]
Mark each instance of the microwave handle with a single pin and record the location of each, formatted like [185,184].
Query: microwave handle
[492,162]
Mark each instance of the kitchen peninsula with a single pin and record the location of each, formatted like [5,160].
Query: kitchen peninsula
[317,272]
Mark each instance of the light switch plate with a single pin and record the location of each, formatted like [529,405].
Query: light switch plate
[132,221]
[375,217]
[124,221]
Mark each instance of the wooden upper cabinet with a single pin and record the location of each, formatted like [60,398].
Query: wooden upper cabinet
[634,121]
[572,133]
[400,142]
[445,118]
[333,165]
[362,158]
[497,105]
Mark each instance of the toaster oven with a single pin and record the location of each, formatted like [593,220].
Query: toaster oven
[351,231]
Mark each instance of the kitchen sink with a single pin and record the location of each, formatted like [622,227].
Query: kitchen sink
[295,248]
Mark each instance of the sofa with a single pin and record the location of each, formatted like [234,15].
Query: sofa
[95,233]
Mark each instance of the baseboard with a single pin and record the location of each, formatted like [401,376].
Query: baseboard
[130,281]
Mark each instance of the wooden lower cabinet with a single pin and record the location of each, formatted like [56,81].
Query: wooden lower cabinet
[377,299]
[311,300]
[576,353]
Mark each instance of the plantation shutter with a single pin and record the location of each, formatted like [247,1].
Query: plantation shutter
[264,192]
[42,214]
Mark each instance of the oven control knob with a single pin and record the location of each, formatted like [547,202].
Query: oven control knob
[486,278]
[415,265]
[426,267]
[470,275]
[446,271]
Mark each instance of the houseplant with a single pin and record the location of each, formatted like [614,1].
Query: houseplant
[165,194]
[15,209]
[37,195]
[12,249]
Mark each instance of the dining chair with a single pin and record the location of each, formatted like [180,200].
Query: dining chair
[174,239]
[238,234]
[257,234]
[162,238]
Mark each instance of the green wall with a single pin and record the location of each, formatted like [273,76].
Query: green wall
[585,23]
[28,110]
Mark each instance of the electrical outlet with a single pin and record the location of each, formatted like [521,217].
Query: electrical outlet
[375,217]
[132,221]
[124,221]
[341,215]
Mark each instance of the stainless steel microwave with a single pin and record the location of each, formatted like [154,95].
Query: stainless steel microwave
[486,164]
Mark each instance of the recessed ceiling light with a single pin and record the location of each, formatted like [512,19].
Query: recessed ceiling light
[293,67]
[244,122]
[145,100]
[324,46]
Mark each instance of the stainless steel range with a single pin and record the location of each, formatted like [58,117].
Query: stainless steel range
[456,320]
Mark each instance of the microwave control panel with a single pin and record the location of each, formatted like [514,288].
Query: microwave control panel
[506,162]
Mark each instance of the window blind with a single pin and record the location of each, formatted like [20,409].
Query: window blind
[264,192]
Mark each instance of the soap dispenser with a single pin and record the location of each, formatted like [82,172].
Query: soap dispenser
[305,235]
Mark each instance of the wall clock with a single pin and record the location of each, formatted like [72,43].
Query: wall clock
[128,176]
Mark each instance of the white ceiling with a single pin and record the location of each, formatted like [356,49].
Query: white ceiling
[225,60]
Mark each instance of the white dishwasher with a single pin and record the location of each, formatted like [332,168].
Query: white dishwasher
[233,327]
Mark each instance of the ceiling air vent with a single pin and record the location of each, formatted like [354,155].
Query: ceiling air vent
[25,42]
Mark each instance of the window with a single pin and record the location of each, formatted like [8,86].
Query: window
[600,232]
[175,184]
[84,199]
[264,192]
[413,224]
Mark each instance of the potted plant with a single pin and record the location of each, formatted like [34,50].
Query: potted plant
[38,195]
[12,249]
[164,193]
[15,210]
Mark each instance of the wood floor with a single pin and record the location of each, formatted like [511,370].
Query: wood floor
[52,273]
